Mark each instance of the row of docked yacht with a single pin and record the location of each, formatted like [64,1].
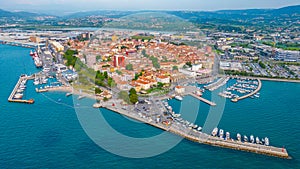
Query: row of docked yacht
[227,94]
[180,120]
[220,133]
[19,93]
[170,110]
[42,80]
[37,60]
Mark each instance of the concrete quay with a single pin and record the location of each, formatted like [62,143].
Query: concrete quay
[203,138]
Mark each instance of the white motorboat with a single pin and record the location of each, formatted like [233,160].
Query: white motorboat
[227,136]
[252,139]
[238,136]
[267,142]
[214,132]
[179,98]
[221,133]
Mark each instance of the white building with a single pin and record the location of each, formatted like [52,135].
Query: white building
[58,47]
[163,79]
[287,55]
[179,89]
[196,67]
[188,73]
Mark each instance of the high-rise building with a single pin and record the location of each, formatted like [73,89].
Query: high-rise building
[119,61]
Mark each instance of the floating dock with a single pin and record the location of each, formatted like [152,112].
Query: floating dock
[13,93]
[250,94]
[204,138]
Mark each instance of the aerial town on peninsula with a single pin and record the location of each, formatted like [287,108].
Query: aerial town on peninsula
[128,70]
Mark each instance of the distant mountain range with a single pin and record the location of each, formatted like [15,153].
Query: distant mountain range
[20,14]
[289,11]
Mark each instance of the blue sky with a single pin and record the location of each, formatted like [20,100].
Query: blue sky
[83,5]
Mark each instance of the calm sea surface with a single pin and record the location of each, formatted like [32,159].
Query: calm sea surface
[49,135]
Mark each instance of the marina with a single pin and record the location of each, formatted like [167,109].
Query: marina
[242,88]
[17,93]
[250,94]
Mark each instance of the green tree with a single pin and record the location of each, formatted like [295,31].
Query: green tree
[105,75]
[129,67]
[98,57]
[105,99]
[119,72]
[97,90]
[262,65]
[132,91]
[189,64]
[175,68]
[133,97]
[160,85]
[111,82]
[144,53]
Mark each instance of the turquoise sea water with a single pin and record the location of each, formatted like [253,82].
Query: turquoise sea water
[49,135]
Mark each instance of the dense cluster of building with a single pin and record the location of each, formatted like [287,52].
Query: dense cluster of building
[126,55]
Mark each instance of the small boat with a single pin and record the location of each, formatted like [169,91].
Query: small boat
[179,98]
[221,133]
[257,140]
[22,86]
[20,90]
[238,136]
[245,139]
[227,136]
[31,53]
[36,82]
[199,128]
[18,96]
[176,115]
[252,139]
[214,132]
[45,81]
[267,141]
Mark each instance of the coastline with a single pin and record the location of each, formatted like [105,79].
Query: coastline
[268,79]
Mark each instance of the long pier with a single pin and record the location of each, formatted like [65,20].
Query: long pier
[203,100]
[204,138]
[250,94]
[189,90]
[13,93]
